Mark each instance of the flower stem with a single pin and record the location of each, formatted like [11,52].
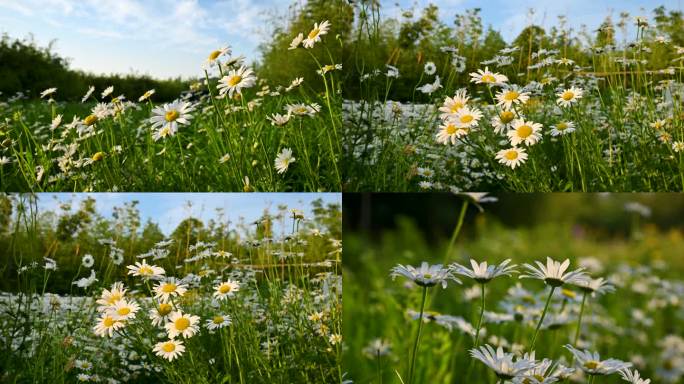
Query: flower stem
[479,323]
[546,307]
[457,230]
[415,343]
[579,319]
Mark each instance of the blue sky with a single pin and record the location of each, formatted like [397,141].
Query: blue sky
[510,17]
[169,209]
[168,38]
[163,38]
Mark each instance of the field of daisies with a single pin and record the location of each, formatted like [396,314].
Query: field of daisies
[230,131]
[558,302]
[89,299]
[458,108]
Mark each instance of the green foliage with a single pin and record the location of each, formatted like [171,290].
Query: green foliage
[30,69]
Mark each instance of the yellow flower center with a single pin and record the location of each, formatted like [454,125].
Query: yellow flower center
[234,80]
[163,133]
[168,288]
[487,78]
[145,270]
[456,106]
[90,120]
[592,364]
[182,323]
[314,32]
[507,116]
[562,126]
[427,276]
[164,309]
[169,347]
[171,115]
[524,131]
[568,293]
[511,155]
[114,297]
[328,68]
[300,110]
[567,95]
[123,311]
[511,95]
[108,322]
[465,119]
[214,54]
[225,288]
[98,156]
[450,129]
[218,319]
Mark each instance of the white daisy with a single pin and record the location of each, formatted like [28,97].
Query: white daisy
[315,34]
[145,270]
[512,157]
[88,261]
[426,275]
[503,364]
[106,325]
[226,289]
[215,55]
[48,92]
[453,104]
[449,132]
[526,132]
[160,314]
[90,91]
[182,324]
[296,41]
[467,117]
[236,80]
[502,122]
[279,120]
[483,273]
[633,377]
[554,272]
[166,118]
[170,349]
[146,95]
[108,91]
[591,363]
[164,290]
[506,98]
[430,68]
[109,297]
[284,159]
[218,321]
[569,96]
[487,77]
[562,128]
[123,310]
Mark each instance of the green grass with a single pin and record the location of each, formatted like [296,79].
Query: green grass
[229,145]
[645,266]
[272,337]
[628,124]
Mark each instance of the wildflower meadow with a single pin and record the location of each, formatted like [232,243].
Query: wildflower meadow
[434,106]
[493,298]
[89,298]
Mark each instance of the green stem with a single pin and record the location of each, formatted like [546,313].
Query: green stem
[457,230]
[579,319]
[415,343]
[546,307]
[479,323]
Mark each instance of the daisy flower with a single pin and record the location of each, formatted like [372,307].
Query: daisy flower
[501,363]
[182,324]
[226,289]
[315,35]
[106,325]
[88,261]
[467,117]
[506,98]
[296,41]
[502,121]
[512,157]
[430,68]
[214,55]
[90,91]
[678,146]
[453,104]
[431,87]
[554,272]
[544,372]
[236,80]
[169,288]
[56,122]
[487,77]
[569,96]
[218,321]
[633,377]
[108,91]
[426,275]
[594,286]
[166,118]
[146,95]
[160,315]
[170,349]
[591,363]
[145,270]
[449,132]
[279,120]
[483,273]
[48,92]
[562,128]
[521,131]
[109,297]
[284,159]
[123,310]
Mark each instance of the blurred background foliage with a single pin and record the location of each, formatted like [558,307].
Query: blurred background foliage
[409,42]
[28,234]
